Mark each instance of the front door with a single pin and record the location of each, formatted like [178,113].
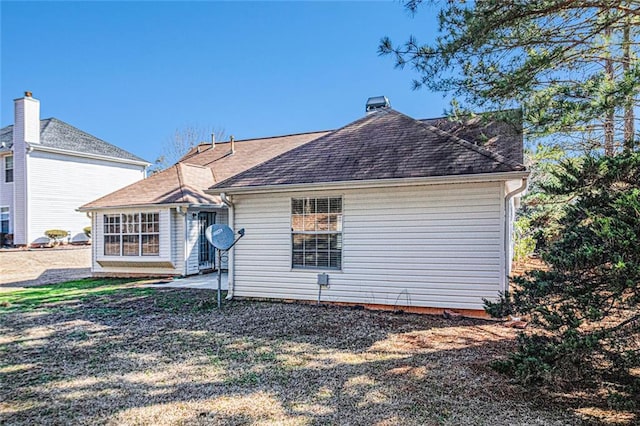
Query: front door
[205,250]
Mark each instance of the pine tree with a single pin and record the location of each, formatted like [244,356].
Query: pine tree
[570,64]
[588,301]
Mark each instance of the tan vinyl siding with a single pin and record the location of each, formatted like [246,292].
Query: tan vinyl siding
[429,246]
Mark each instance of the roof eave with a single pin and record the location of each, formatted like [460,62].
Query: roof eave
[374,183]
[139,206]
[38,147]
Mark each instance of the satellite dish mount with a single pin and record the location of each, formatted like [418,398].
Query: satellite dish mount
[223,239]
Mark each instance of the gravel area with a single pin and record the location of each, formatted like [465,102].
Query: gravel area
[26,268]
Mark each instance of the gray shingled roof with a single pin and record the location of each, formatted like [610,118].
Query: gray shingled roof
[382,145]
[57,134]
[498,131]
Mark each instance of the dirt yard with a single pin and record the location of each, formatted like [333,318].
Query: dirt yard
[103,352]
[24,268]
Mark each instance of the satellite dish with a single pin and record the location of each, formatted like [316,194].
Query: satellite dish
[220,236]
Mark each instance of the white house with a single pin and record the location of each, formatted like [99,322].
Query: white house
[48,168]
[400,213]
[397,212]
[156,226]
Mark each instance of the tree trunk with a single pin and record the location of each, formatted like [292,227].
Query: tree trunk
[610,112]
[628,108]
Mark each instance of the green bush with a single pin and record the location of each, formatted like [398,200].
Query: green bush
[56,234]
[87,231]
[586,306]
[524,242]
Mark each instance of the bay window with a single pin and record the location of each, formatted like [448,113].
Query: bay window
[132,234]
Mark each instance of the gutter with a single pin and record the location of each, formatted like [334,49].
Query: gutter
[507,215]
[230,260]
[372,183]
[149,206]
[38,147]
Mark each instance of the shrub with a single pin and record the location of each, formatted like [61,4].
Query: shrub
[524,242]
[587,304]
[87,231]
[56,234]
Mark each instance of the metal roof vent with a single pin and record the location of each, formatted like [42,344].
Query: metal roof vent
[377,102]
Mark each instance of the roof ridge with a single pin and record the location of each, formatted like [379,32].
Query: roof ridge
[479,149]
[465,143]
[275,136]
[181,183]
[470,114]
[189,154]
[295,149]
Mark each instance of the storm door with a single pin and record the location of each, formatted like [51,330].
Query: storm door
[205,250]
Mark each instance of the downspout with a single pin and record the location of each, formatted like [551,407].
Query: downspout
[230,262]
[507,218]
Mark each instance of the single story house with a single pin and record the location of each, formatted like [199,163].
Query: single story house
[397,212]
[156,226]
[48,168]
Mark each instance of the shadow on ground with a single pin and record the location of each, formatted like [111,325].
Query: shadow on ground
[51,276]
[168,356]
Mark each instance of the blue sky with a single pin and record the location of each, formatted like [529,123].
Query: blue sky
[132,73]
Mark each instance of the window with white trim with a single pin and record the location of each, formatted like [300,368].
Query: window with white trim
[132,234]
[316,233]
[4,220]
[8,169]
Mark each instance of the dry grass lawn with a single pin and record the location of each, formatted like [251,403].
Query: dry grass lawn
[106,352]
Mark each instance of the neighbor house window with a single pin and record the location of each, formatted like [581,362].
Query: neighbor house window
[8,169]
[132,234]
[4,220]
[316,233]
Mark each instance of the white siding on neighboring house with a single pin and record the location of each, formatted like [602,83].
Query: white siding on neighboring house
[6,193]
[151,265]
[435,246]
[59,184]
[20,212]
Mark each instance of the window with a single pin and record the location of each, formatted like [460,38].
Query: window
[132,234]
[8,169]
[4,221]
[150,234]
[316,233]
[112,235]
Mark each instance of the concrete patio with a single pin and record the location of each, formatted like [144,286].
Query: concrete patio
[204,281]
